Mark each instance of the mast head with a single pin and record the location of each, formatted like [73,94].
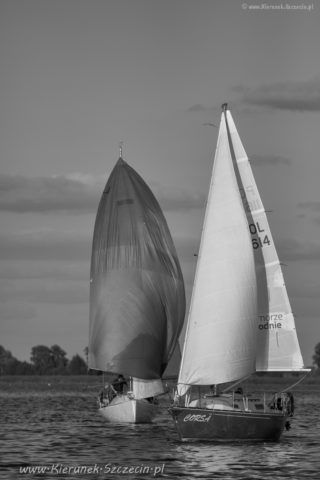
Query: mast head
[224,107]
[120,149]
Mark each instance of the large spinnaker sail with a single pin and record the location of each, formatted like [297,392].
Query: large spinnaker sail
[137,297]
[172,370]
[220,342]
[278,346]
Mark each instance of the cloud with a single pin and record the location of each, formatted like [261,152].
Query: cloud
[29,290]
[291,250]
[76,270]
[198,107]
[201,108]
[178,199]
[308,290]
[77,194]
[269,160]
[37,292]
[293,96]
[313,207]
[45,245]
[9,311]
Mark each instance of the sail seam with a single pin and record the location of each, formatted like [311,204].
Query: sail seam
[259,210]
[269,264]
[242,159]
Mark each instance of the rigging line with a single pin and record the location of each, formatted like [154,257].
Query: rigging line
[297,383]
[236,383]
[210,124]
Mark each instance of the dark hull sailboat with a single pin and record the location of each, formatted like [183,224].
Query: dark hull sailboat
[240,319]
[232,425]
[137,297]
[233,417]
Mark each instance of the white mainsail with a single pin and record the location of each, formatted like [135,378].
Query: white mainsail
[278,346]
[220,342]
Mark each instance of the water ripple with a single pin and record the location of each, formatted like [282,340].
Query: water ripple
[43,429]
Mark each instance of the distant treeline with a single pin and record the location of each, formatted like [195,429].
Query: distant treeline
[44,361]
[53,361]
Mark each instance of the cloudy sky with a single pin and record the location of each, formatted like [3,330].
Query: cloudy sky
[79,76]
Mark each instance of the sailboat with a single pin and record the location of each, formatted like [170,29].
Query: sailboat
[137,296]
[240,319]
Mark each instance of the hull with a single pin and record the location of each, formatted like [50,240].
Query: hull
[227,425]
[125,410]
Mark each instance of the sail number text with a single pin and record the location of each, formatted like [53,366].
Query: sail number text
[259,237]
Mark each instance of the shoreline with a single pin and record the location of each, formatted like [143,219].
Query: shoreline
[91,384]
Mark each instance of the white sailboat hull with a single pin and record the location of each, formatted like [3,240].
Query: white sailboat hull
[122,409]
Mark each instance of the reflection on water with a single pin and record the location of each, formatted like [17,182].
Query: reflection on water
[45,429]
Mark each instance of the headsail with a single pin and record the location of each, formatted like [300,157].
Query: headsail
[278,346]
[146,388]
[220,342]
[137,297]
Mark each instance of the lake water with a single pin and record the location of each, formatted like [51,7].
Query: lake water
[63,434]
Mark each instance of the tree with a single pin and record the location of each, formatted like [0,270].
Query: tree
[316,356]
[9,365]
[6,361]
[23,368]
[42,359]
[77,366]
[59,360]
[49,361]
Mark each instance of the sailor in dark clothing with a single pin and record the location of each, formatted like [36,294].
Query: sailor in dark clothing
[106,395]
[118,384]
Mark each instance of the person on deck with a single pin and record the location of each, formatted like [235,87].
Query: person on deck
[119,383]
[107,395]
